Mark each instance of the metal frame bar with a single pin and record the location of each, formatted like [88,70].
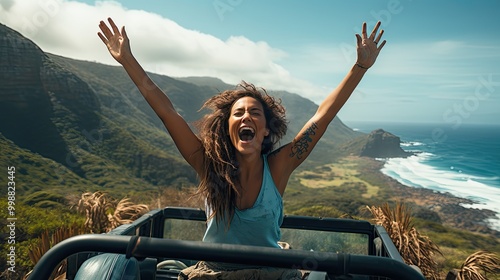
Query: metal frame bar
[152,225]
[333,264]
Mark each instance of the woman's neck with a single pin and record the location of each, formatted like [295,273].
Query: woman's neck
[249,164]
[250,174]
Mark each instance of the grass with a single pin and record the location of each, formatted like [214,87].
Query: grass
[336,175]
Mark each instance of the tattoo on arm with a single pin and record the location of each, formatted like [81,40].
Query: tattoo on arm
[301,146]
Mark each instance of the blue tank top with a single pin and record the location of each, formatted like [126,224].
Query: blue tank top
[258,225]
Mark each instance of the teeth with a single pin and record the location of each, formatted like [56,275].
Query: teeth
[247,128]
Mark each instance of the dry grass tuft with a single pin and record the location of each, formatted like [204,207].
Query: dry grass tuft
[415,248]
[47,240]
[95,206]
[476,267]
[126,212]
[104,214]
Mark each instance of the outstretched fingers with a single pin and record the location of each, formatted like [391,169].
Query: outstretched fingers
[103,39]
[113,26]
[124,34]
[106,34]
[379,36]
[374,31]
[105,30]
[381,45]
[368,47]
[363,31]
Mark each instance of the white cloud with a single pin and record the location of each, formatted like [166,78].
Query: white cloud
[69,28]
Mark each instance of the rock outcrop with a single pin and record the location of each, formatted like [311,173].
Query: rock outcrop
[377,144]
[382,144]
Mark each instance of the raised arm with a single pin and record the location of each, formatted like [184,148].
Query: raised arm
[293,154]
[186,141]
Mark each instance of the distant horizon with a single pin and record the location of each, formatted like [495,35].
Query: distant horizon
[417,123]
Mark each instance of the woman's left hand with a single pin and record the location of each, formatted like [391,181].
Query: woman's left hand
[368,48]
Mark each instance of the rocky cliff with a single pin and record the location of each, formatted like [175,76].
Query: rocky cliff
[377,144]
[381,143]
[49,109]
[32,87]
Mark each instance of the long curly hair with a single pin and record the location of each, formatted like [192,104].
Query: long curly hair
[219,181]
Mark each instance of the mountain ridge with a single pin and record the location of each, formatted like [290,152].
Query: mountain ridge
[90,119]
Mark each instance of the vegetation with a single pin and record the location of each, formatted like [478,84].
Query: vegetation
[477,266]
[40,228]
[104,214]
[415,248]
[32,222]
[47,240]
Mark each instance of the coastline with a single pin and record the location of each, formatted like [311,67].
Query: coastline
[447,206]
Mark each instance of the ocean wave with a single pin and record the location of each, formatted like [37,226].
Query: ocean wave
[411,144]
[416,172]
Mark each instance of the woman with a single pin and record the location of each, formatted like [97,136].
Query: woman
[242,178]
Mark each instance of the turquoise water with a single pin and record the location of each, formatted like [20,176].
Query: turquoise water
[463,161]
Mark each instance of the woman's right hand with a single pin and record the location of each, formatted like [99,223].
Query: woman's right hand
[116,41]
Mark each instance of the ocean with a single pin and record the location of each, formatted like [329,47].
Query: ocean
[463,161]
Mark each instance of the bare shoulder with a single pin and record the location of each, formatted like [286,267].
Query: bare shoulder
[280,154]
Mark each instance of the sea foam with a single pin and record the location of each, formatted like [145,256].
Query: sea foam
[413,171]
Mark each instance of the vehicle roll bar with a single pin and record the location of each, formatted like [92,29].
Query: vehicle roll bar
[331,263]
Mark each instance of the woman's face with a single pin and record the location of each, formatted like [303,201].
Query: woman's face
[247,125]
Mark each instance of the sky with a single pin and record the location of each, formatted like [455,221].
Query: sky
[441,63]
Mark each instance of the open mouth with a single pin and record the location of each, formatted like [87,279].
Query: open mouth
[246,133]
